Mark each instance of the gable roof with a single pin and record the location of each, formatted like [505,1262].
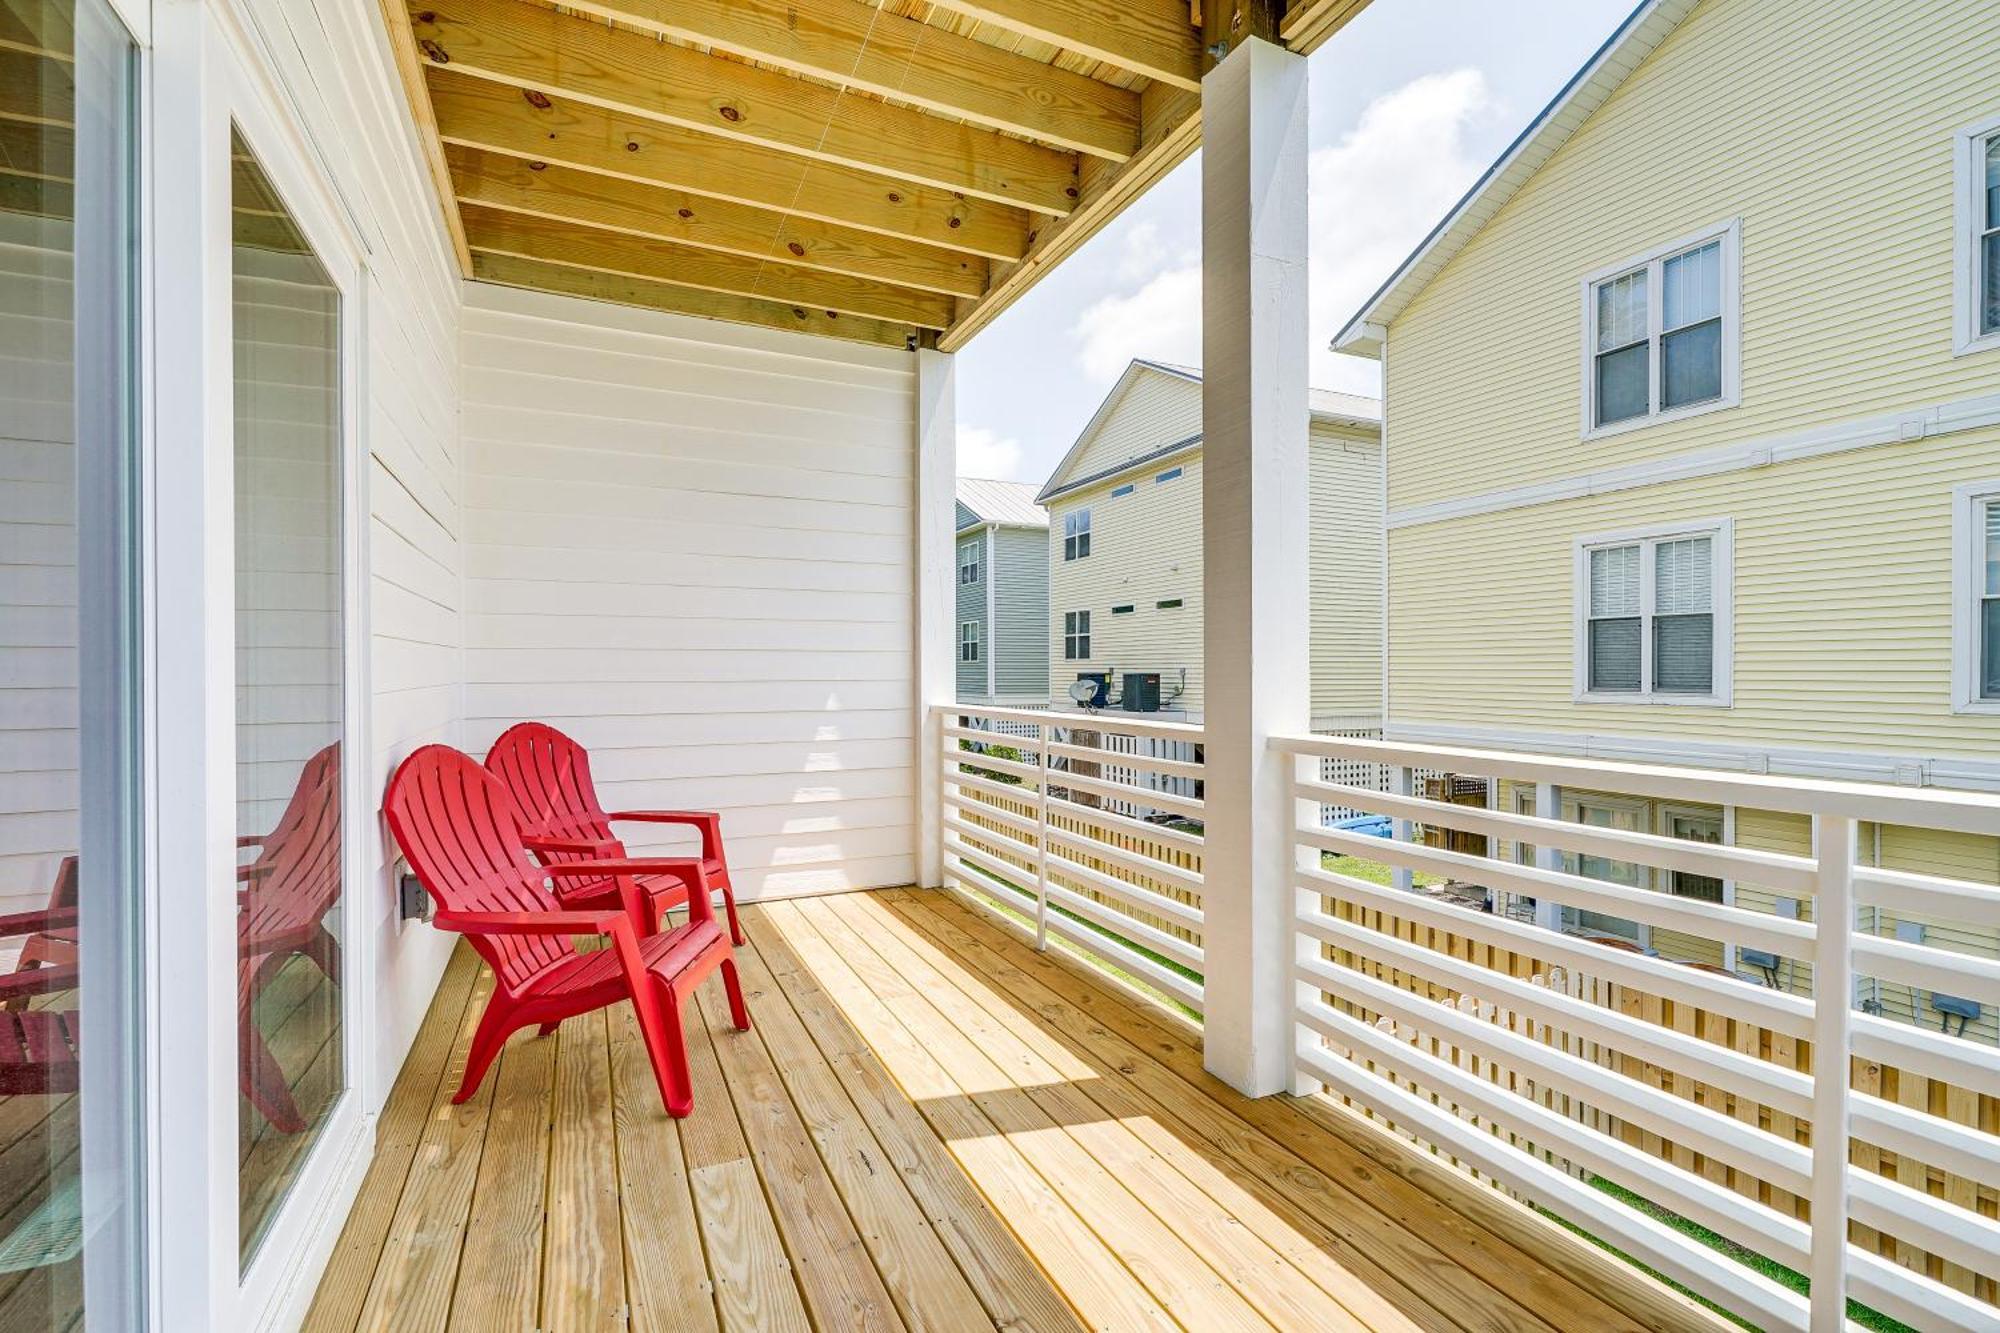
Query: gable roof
[1011,504]
[1346,409]
[1588,89]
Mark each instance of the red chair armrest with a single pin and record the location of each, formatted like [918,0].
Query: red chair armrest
[37,921]
[572,846]
[244,874]
[708,821]
[531,923]
[251,840]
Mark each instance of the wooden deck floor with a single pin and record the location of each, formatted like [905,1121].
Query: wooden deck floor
[931,1126]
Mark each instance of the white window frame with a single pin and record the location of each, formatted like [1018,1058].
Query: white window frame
[1076,535]
[970,640]
[974,564]
[1970,148]
[1076,632]
[1722,606]
[1968,505]
[1730,233]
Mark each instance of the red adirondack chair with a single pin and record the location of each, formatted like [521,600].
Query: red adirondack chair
[458,829]
[548,775]
[38,1046]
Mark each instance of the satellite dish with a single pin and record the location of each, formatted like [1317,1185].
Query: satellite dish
[1083,691]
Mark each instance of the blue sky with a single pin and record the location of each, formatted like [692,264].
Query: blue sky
[1409,104]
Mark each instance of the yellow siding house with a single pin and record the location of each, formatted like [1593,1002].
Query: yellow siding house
[1693,423]
[1125,551]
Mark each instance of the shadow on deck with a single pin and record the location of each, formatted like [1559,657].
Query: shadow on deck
[931,1126]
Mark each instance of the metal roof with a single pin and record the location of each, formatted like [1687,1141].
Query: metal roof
[1008,503]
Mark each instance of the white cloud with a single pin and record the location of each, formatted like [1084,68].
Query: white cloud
[1374,196]
[987,454]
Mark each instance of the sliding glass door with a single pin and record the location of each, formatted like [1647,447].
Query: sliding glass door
[70,864]
[290,692]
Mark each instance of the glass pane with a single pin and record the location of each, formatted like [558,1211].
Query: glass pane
[69,871]
[1989,636]
[1614,581]
[1621,311]
[1692,287]
[1992,511]
[1616,872]
[1993,181]
[289,692]
[1990,312]
[1684,654]
[1614,654]
[1622,384]
[1691,365]
[1683,575]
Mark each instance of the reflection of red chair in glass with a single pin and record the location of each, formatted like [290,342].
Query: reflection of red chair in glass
[281,908]
[458,829]
[38,1046]
[548,775]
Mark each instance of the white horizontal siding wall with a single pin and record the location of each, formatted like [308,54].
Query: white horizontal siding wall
[690,547]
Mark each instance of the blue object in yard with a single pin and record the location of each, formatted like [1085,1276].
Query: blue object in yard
[1372,826]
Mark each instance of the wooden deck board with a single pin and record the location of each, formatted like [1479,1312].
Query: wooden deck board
[930,1127]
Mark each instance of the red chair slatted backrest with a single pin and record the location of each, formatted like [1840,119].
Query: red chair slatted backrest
[295,879]
[457,828]
[548,775]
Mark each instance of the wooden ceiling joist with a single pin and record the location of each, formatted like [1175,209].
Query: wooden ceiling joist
[867,46]
[481,114]
[509,271]
[564,194]
[495,232]
[1156,38]
[558,54]
[886,171]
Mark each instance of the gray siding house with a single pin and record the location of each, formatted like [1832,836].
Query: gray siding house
[1003,594]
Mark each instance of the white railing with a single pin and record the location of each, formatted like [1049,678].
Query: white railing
[1552,1059]
[1085,827]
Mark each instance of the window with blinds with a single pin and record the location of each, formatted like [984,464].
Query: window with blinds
[1648,609]
[1660,333]
[968,562]
[1989,600]
[1076,635]
[1986,226]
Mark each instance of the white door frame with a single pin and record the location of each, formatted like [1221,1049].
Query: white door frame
[208,72]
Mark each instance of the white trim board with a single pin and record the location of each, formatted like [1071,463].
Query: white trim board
[1908,770]
[1920,423]
[1969,223]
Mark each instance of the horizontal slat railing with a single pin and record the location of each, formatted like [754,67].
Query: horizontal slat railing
[1561,1064]
[1082,827]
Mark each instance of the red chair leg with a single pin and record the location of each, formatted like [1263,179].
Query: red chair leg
[263,1081]
[738,1010]
[548,1029]
[324,950]
[735,926]
[494,1029]
[658,1009]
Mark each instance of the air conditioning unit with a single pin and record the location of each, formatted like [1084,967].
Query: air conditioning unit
[1142,692]
[1102,695]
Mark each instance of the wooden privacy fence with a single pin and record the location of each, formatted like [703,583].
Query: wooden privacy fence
[1547,1061]
[1035,819]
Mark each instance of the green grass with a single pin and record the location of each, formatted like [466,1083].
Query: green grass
[1375,872]
[1722,1245]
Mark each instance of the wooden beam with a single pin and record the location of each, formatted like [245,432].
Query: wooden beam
[1227,24]
[1308,23]
[478,113]
[614,204]
[1172,132]
[1155,38]
[410,71]
[511,271]
[524,237]
[633,73]
[872,48]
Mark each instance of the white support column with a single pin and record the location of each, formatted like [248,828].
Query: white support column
[1833,1024]
[1402,782]
[1254,489]
[932,571]
[1548,805]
